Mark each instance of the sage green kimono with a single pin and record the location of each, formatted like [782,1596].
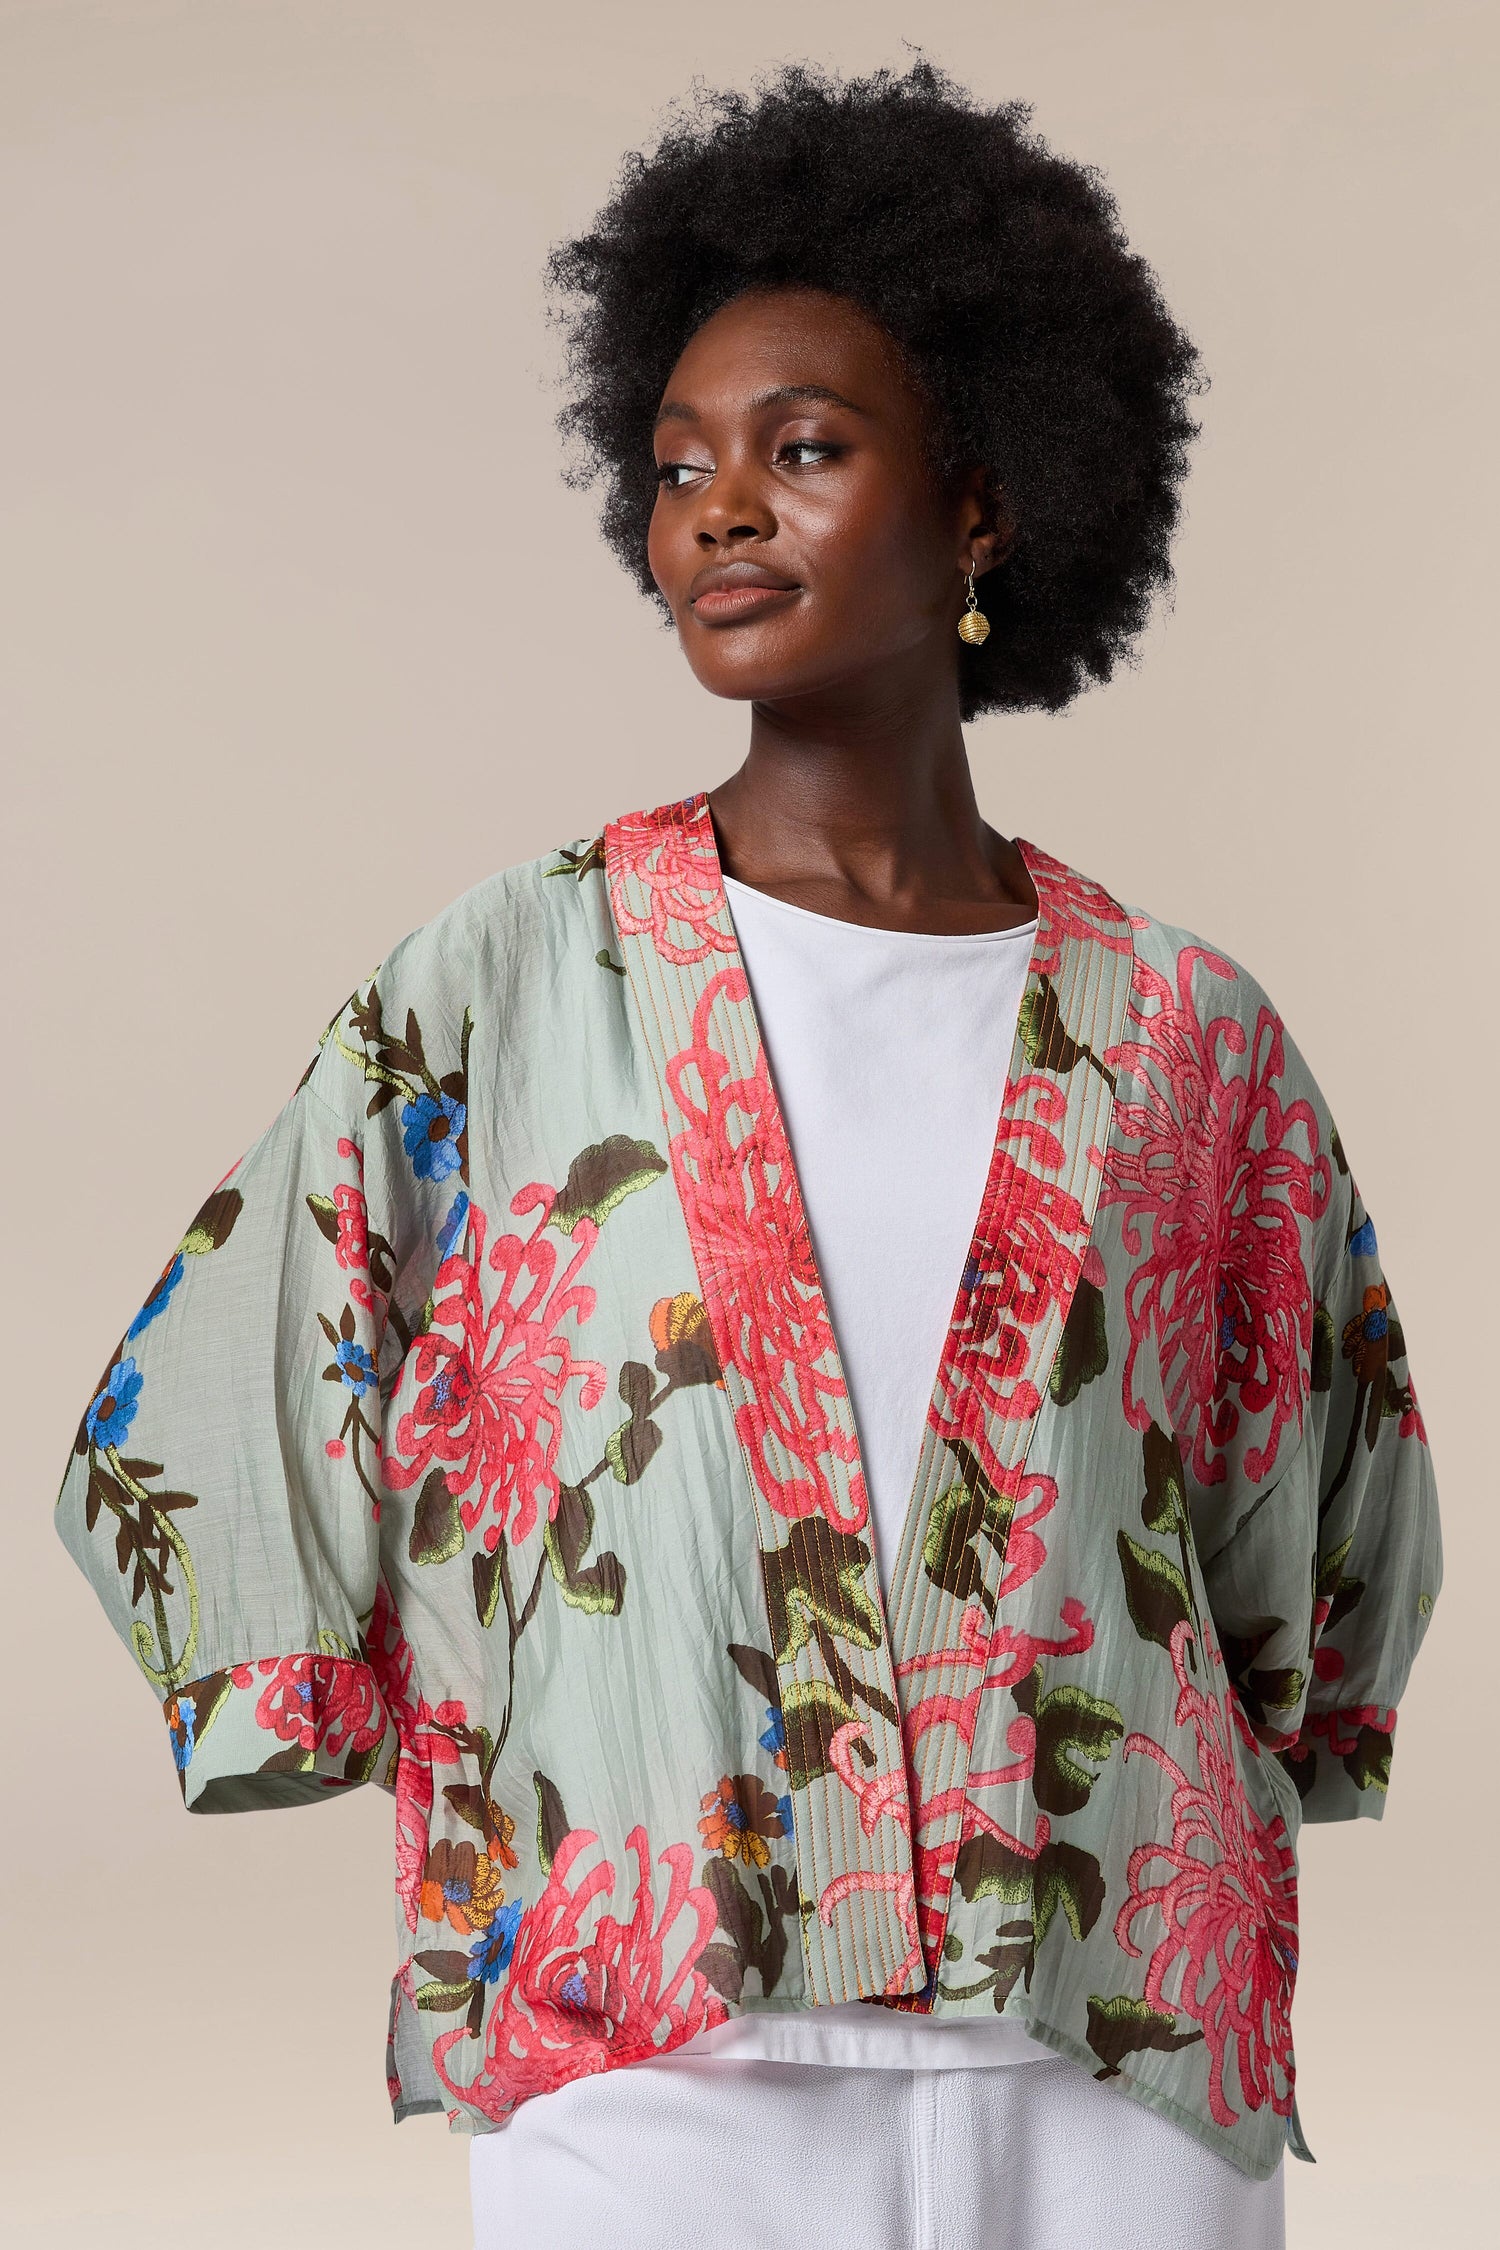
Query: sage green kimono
[485,1437]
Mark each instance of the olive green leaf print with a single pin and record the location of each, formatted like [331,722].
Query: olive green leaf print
[1121,2027]
[147,1543]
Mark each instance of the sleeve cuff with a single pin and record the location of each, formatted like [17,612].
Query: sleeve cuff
[1341,1762]
[279,1730]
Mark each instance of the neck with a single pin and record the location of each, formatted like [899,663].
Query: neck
[869,813]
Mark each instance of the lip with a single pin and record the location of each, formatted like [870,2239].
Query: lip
[733,591]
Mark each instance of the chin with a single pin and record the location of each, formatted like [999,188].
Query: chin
[750,675]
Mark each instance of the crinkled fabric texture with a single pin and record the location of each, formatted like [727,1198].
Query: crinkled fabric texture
[485,1438]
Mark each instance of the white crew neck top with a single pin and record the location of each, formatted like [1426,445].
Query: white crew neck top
[889,1051]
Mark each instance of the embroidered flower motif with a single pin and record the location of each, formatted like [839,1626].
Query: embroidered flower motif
[1341,1729]
[1411,1423]
[491,1377]
[1073,906]
[665,885]
[1223,1891]
[430,1130]
[422,1745]
[943,1694]
[737,1186]
[461,1885]
[1367,1335]
[327,1703]
[1214,1176]
[451,1227]
[774,1738]
[160,1297]
[739,1816]
[181,1714]
[491,1951]
[1362,1242]
[1031,1240]
[356,1367]
[684,1339]
[114,1408]
[352,1241]
[587,1991]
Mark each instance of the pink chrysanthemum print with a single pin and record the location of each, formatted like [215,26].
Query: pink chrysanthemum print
[1214,1176]
[588,1992]
[737,1185]
[1219,1899]
[492,1369]
[1073,906]
[667,888]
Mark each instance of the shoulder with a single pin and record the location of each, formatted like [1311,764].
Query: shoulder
[409,1018]
[1207,1063]
[511,907]
[1190,989]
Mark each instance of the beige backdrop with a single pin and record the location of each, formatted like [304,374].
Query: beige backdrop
[302,636]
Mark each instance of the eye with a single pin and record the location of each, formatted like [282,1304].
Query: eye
[673,474]
[816,448]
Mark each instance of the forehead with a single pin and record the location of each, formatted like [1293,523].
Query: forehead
[789,340]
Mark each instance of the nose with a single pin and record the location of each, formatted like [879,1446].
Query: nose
[708,536]
[734,508]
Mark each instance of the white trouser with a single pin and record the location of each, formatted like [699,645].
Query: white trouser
[795,2156]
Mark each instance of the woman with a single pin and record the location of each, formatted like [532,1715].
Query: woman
[812,1394]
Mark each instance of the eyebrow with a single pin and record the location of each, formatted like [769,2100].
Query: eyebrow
[785,394]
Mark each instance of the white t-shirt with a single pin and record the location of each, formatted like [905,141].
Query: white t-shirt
[889,1051]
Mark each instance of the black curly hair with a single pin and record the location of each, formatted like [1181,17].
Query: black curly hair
[1039,339]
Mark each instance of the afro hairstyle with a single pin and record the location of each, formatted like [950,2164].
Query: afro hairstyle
[1039,341]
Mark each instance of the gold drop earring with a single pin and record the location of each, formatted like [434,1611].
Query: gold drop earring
[973,626]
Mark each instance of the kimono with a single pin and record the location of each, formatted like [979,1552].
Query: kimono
[485,1438]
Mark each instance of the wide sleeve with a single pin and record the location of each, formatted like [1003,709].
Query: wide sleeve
[222,1496]
[1325,1588]
[1378,1556]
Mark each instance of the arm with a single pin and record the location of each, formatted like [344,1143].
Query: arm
[222,1497]
[1355,1514]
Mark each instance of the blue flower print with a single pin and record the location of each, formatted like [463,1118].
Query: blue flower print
[356,1366]
[784,1807]
[490,1953]
[430,1130]
[183,1731]
[113,1410]
[449,1230]
[158,1300]
[774,1738]
[1362,1241]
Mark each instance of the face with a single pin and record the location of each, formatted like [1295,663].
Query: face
[798,533]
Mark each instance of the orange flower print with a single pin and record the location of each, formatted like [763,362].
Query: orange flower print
[461,1885]
[738,1817]
[1366,1336]
[684,1340]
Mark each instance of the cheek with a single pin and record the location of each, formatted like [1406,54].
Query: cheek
[670,553]
[878,543]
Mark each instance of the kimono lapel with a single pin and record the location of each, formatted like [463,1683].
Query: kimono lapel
[968,1540]
[879,1712]
[732,1168]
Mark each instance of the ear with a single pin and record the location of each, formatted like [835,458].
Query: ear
[987,526]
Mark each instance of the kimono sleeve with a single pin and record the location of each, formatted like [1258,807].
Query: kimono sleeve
[1324,1593]
[1377,1550]
[223,1493]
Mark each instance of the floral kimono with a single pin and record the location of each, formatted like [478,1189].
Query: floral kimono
[485,1437]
